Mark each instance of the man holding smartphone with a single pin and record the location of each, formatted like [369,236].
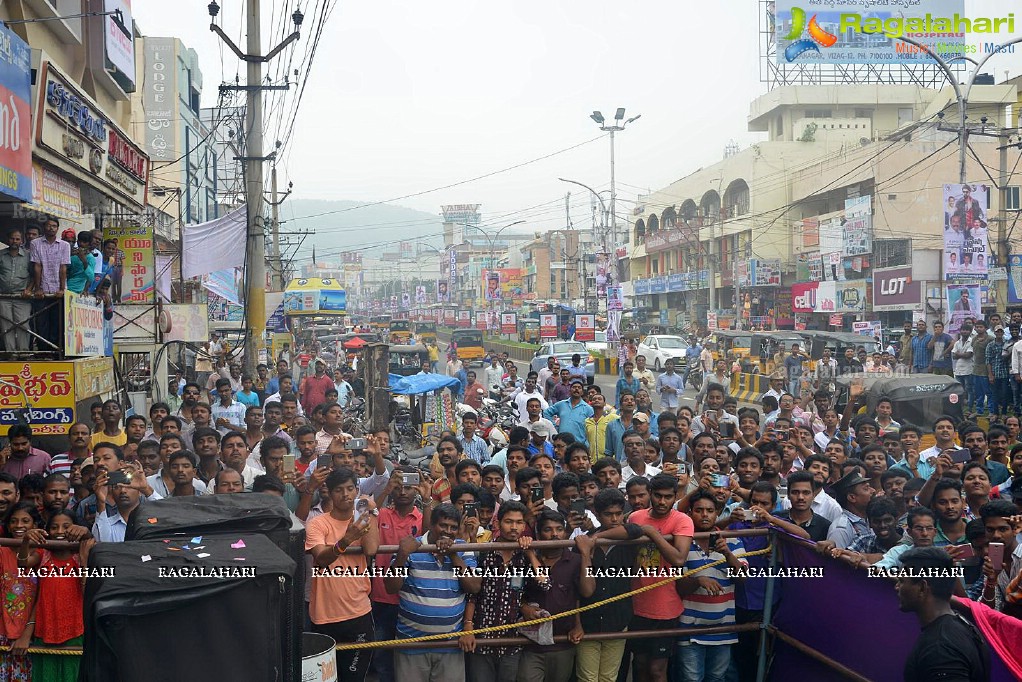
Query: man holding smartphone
[1002,565]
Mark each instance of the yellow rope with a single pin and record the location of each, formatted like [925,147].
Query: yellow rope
[47,650]
[572,612]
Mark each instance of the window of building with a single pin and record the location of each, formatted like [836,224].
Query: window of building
[1011,198]
[818,113]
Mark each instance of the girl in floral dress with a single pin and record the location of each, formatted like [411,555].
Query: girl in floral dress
[19,597]
[59,602]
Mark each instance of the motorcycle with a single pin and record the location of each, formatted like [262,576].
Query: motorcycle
[695,378]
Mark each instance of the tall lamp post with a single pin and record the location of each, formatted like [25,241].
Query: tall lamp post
[618,125]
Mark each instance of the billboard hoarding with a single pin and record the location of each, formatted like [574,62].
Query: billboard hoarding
[548,326]
[16,96]
[508,323]
[136,250]
[966,249]
[896,289]
[585,327]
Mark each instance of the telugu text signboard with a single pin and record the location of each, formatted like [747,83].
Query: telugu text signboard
[15,105]
[136,251]
[49,387]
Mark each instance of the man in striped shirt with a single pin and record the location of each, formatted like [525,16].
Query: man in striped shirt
[431,597]
[709,595]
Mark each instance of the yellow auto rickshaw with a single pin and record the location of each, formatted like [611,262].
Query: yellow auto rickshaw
[400,332]
[425,332]
[528,331]
[470,345]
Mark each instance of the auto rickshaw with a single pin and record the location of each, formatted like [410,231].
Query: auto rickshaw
[837,342]
[528,331]
[768,349]
[731,345]
[917,399]
[380,324]
[425,332]
[408,360]
[400,332]
[470,345]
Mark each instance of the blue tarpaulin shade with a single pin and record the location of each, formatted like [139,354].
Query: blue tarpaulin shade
[419,383]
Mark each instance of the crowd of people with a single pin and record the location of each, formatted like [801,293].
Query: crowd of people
[580,467]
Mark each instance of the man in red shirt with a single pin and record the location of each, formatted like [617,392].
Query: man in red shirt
[397,522]
[313,389]
[658,609]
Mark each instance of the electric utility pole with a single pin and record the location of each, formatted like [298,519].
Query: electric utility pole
[255,254]
[277,270]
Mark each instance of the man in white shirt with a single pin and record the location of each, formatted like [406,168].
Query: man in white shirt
[228,413]
[944,433]
[551,370]
[494,374]
[646,378]
[344,390]
[527,392]
[635,456]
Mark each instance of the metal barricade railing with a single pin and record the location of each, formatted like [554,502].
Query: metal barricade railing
[44,345]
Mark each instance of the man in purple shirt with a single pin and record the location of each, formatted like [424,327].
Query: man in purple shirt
[24,459]
[50,258]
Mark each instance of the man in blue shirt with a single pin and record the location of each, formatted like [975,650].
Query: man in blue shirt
[475,447]
[572,413]
[431,597]
[940,345]
[628,382]
[921,349]
[692,353]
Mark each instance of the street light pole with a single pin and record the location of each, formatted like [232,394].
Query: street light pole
[618,126]
[255,262]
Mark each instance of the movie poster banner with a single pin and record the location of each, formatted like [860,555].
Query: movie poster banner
[134,280]
[601,275]
[963,301]
[442,295]
[966,251]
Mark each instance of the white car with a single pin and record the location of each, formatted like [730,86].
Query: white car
[658,348]
[597,346]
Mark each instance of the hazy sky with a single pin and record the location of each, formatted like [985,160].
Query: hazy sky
[407,96]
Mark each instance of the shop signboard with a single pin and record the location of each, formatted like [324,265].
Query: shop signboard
[15,116]
[803,297]
[77,134]
[50,389]
[896,289]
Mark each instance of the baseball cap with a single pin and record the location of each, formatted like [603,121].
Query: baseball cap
[89,461]
[641,417]
[540,427]
[998,328]
[68,234]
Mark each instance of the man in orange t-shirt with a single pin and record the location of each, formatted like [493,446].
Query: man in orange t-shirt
[659,609]
[339,604]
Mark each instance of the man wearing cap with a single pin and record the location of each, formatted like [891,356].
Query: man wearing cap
[777,387]
[572,413]
[313,388]
[539,443]
[853,493]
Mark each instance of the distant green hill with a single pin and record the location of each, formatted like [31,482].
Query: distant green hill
[373,228]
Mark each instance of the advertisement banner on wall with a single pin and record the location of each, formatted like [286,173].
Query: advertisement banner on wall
[963,300]
[871,328]
[136,278]
[189,322]
[507,284]
[966,248]
[83,325]
[585,327]
[858,226]
[465,319]
[508,323]
[895,289]
[851,296]
[16,96]
[548,326]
